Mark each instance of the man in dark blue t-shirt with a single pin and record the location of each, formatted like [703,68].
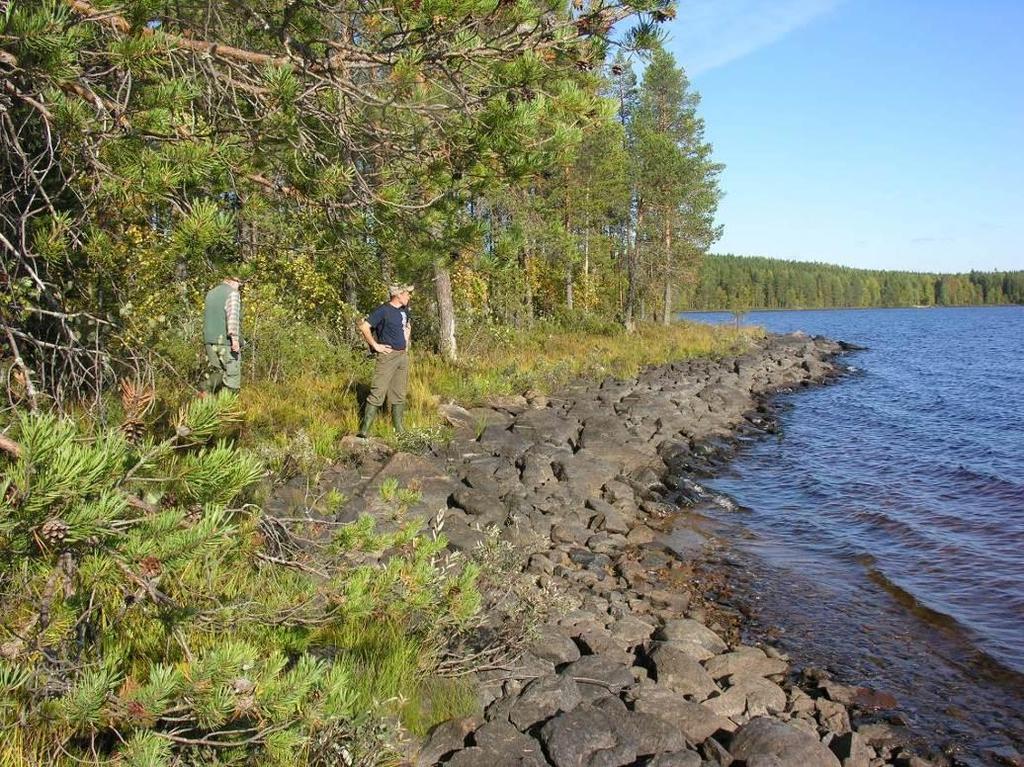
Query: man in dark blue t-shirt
[387,331]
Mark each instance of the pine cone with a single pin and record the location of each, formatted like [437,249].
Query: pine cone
[133,429]
[136,399]
[195,513]
[54,531]
[149,567]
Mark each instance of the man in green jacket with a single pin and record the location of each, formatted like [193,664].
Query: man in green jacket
[222,336]
[387,330]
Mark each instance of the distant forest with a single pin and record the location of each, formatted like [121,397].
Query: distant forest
[745,282]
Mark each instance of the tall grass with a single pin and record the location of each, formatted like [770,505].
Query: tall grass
[323,398]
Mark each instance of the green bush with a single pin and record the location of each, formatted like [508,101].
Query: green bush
[153,619]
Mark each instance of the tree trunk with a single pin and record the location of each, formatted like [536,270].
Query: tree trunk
[667,241]
[526,314]
[568,291]
[633,276]
[586,266]
[445,312]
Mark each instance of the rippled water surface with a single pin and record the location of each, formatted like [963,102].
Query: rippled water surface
[889,514]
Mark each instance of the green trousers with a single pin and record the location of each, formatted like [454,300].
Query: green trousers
[390,379]
[223,368]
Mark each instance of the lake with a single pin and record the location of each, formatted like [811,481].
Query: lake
[885,525]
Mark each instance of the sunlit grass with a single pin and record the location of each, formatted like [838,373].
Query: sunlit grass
[391,673]
[325,405]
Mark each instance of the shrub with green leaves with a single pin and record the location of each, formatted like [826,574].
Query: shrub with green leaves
[154,618]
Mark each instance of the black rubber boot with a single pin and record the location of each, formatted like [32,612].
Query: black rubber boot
[369,414]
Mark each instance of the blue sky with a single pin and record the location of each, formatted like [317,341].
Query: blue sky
[875,134]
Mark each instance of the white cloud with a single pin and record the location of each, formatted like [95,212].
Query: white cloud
[711,33]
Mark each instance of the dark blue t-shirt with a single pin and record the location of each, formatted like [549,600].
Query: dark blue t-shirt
[388,324]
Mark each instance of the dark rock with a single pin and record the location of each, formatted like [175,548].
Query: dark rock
[598,676]
[599,642]
[851,750]
[715,753]
[694,720]
[522,752]
[792,747]
[832,715]
[649,734]
[457,416]
[486,416]
[747,661]
[585,737]
[675,601]
[462,537]
[554,645]
[477,503]
[640,535]
[680,672]
[749,696]
[500,441]
[883,735]
[543,698]
[688,630]
[444,739]
[590,559]
[630,631]
[562,533]
[542,425]
[513,404]
[482,480]
[584,472]
[503,737]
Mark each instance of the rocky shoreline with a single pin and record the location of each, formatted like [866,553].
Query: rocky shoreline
[640,667]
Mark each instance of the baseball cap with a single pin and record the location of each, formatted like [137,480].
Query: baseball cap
[394,290]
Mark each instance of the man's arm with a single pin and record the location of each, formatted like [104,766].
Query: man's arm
[365,330]
[233,310]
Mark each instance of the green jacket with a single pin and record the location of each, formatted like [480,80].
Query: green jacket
[222,315]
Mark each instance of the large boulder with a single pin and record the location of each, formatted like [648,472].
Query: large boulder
[675,669]
[769,737]
[630,631]
[543,698]
[694,720]
[650,734]
[585,737]
[554,645]
[746,661]
[750,696]
[852,750]
[477,503]
[597,676]
[687,630]
[499,743]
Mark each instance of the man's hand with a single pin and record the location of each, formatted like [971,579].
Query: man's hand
[234,346]
[382,348]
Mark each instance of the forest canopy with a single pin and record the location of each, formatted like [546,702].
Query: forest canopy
[503,155]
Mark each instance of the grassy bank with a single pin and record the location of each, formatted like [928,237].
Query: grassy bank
[307,408]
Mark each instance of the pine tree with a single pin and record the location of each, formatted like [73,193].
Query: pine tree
[151,617]
[676,181]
